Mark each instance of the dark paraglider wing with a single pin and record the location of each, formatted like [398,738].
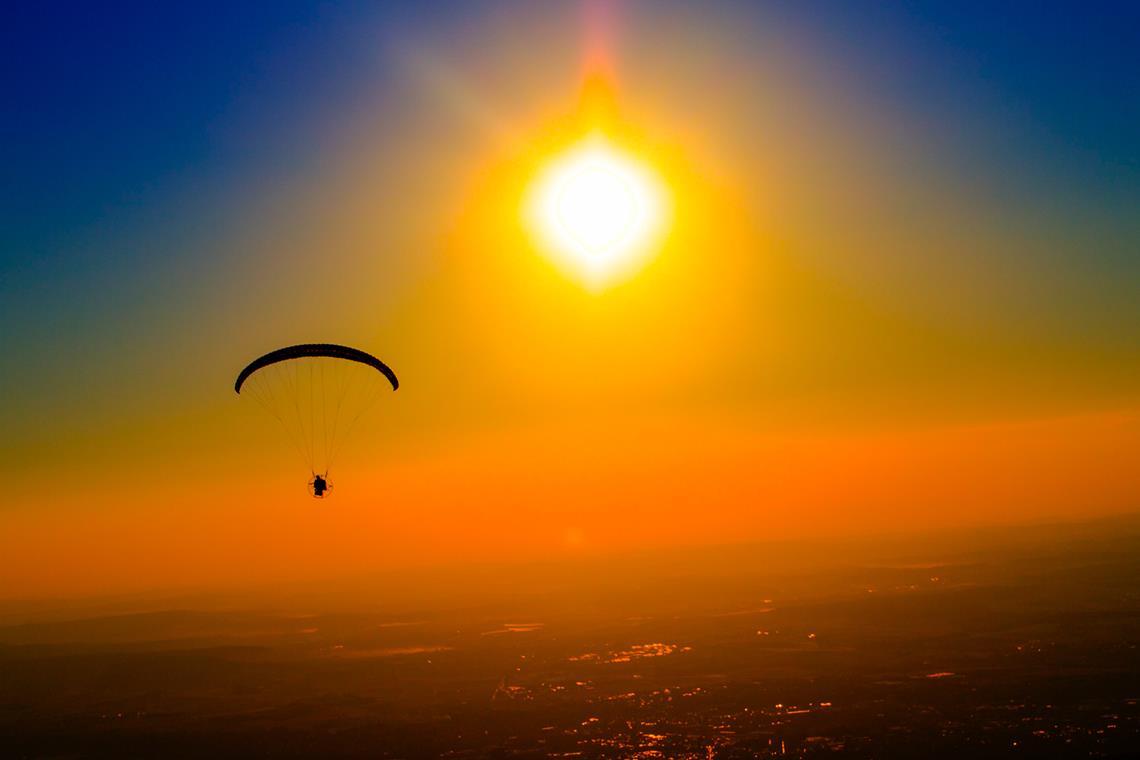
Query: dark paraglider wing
[304,350]
[317,391]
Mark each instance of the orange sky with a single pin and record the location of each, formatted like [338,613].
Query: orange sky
[548,492]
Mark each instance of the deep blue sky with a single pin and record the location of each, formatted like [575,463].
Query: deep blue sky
[107,107]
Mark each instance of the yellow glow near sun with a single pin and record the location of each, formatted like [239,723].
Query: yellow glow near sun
[597,210]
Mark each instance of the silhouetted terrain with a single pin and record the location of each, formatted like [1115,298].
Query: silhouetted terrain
[1006,642]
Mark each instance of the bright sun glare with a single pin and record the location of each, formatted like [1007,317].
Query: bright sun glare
[597,210]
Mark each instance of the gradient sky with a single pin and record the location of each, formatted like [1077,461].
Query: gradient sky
[899,292]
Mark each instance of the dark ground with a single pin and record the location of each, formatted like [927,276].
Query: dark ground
[997,643]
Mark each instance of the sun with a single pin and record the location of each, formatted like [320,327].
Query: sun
[597,211]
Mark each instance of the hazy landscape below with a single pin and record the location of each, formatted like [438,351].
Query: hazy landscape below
[972,644]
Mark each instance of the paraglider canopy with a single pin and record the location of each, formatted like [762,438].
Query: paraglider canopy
[317,391]
[328,350]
